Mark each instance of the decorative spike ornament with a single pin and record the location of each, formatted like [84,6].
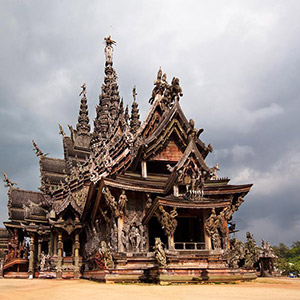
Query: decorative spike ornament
[135,122]
[83,127]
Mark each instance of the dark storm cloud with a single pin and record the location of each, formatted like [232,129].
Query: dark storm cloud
[238,64]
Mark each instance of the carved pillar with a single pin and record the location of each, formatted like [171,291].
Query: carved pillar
[144,169]
[1,267]
[76,262]
[120,229]
[171,244]
[207,237]
[60,246]
[40,240]
[54,243]
[50,244]
[31,257]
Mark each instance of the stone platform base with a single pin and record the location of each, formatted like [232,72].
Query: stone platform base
[19,275]
[165,276]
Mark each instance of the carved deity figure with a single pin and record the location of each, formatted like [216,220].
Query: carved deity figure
[148,201]
[160,254]
[167,220]
[214,170]
[109,49]
[42,261]
[211,227]
[83,92]
[251,251]
[122,202]
[236,253]
[107,256]
[110,201]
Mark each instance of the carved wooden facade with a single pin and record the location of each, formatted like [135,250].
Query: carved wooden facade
[130,200]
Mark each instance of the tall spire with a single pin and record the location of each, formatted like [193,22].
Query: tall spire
[135,122]
[109,99]
[83,126]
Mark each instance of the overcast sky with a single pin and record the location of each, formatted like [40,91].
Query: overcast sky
[239,68]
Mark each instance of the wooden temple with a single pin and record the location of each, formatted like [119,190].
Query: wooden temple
[129,202]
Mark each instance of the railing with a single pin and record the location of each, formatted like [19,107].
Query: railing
[189,246]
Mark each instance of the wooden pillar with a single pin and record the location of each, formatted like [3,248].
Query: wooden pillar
[176,190]
[120,229]
[1,267]
[40,240]
[76,262]
[171,244]
[54,243]
[144,169]
[207,237]
[50,244]
[31,257]
[60,247]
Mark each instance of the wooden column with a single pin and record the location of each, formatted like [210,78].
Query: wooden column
[144,169]
[171,244]
[1,267]
[40,240]
[50,244]
[76,262]
[60,247]
[207,237]
[120,229]
[31,257]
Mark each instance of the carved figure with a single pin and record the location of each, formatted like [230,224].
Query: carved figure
[148,201]
[214,172]
[211,227]
[61,130]
[122,202]
[8,182]
[107,256]
[42,261]
[251,251]
[110,201]
[167,220]
[236,253]
[109,49]
[160,254]
[83,92]
[176,90]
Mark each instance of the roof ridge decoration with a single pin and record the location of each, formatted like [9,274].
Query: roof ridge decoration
[7,181]
[83,127]
[38,151]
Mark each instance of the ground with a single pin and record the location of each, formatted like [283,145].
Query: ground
[39,289]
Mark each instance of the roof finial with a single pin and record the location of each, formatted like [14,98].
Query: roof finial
[38,151]
[134,93]
[8,182]
[135,122]
[61,130]
[83,126]
[109,50]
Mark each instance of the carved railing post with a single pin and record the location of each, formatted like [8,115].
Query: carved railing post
[31,257]
[60,246]
[76,248]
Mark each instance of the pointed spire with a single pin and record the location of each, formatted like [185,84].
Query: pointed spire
[135,122]
[38,151]
[126,114]
[83,126]
[109,100]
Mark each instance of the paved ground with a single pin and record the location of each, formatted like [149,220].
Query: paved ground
[39,289]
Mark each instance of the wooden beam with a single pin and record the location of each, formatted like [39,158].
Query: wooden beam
[97,201]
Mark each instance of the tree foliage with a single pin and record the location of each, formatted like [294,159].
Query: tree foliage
[288,258]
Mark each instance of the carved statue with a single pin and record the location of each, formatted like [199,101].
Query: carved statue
[42,261]
[192,132]
[159,86]
[251,251]
[8,182]
[110,201]
[122,202]
[109,49]
[214,172]
[176,90]
[211,227]
[160,254]
[167,220]
[83,92]
[148,201]
[107,256]
[236,253]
